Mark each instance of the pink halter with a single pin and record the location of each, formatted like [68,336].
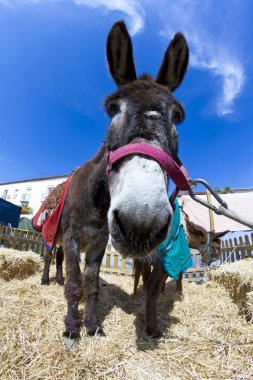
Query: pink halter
[174,169]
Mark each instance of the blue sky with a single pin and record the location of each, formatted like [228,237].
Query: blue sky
[53,79]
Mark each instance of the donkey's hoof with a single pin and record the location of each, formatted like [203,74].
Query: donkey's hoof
[44,282]
[153,333]
[96,330]
[60,281]
[71,340]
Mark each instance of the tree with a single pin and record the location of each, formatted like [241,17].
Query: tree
[27,210]
[226,190]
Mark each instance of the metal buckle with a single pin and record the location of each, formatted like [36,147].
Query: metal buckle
[194,183]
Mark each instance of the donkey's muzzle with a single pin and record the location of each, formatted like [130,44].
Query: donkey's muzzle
[137,238]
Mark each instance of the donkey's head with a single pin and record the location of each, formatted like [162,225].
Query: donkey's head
[141,110]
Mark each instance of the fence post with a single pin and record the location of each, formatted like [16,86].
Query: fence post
[237,250]
[14,240]
[248,250]
[242,249]
[7,237]
[211,218]
[227,251]
[232,257]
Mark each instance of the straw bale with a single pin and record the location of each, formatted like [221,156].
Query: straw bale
[249,306]
[18,265]
[204,337]
[237,278]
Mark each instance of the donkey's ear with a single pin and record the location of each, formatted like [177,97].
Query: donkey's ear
[120,54]
[218,235]
[174,63]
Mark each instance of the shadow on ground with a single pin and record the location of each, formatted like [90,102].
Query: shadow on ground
[111,295]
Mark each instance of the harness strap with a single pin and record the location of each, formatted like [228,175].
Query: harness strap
[207,248]
[174,168]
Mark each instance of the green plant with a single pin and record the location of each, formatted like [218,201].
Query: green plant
[226,190]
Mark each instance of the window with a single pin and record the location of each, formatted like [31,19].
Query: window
[15,194]
[44,195]
[4,196]
[50,188]
[25,198]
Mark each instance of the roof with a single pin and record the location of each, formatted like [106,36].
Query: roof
[34,179]
[242,190]
[234,191]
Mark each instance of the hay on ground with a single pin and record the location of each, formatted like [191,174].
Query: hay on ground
[249,306]
[18,265]
[204,337]
[237,278]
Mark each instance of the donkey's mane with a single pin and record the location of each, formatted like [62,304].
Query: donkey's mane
[146,77]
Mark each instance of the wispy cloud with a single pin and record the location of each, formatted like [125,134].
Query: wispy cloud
[210,30]
[133,10]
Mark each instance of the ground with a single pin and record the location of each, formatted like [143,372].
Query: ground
[204,335]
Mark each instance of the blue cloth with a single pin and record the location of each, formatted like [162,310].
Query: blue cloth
[9,213]
[174,253]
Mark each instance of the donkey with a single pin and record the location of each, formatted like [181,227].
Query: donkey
[208,243]
[198,236]
[130,200]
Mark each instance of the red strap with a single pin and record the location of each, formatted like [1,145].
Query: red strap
[174,169]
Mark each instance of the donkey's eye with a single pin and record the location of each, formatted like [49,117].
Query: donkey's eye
[113,108]
[177,115]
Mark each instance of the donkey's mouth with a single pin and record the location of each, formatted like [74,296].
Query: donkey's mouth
[129,244]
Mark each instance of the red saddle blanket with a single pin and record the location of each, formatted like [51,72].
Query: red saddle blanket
[48,217]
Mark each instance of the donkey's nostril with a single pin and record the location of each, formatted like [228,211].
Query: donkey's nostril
[119,223]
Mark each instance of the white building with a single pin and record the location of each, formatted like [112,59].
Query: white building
[30,192]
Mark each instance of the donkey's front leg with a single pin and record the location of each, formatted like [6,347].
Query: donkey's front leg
[73,287]
[153,288]
[91,288]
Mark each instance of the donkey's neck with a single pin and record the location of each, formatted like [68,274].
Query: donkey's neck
[93,175]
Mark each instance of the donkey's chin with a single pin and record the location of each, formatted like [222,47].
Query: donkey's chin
[140,249]
[133,249]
